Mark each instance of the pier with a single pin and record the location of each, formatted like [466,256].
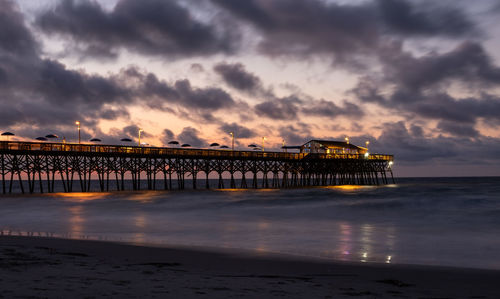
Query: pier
[34,167]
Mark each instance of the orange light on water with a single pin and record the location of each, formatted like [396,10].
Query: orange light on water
[144,196]
[269,190]
[347,187]
[81,196]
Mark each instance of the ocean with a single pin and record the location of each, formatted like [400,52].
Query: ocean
[426,221]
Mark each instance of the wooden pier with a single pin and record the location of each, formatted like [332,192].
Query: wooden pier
[34,167]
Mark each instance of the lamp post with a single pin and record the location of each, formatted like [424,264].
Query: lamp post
[284,149]
[78,124]
[347,140]
[140,130]
[367,142]
[263,139]
[232,140]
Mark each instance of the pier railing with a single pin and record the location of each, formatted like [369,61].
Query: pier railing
[179,152]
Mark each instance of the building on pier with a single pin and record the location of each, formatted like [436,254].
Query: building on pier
[316,146]
[331,147]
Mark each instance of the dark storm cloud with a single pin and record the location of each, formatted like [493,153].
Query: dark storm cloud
[238,130]
[162,94]
[458,129]
[457,116]
[425,19]
[409,148]
[211,98]
[190,136]
[468,63]
[167,136]
[329,109]
[280,108]
[303,27]
[466,110]
[419,86]
[295,134]
[65,87]
[15,38]
[3,77]
[150,27]
[236,76]
[44,92]
[313,26]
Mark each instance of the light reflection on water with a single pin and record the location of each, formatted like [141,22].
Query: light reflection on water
[140,224]
[402,224]
[80,196]
[76,220]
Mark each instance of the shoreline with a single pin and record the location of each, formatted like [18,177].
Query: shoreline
[51,267]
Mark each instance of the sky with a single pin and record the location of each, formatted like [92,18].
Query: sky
[418,79]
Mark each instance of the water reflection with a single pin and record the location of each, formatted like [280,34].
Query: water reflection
[81,196]
[366,241]
[263,226]
[76,220]
[140,223]
[145,196]
[346,187]
[345,240]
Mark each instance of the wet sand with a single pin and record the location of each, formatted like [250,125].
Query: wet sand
[36,267]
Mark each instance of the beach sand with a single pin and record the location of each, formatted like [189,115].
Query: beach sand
[36,267]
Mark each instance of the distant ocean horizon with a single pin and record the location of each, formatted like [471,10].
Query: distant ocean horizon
[444,221]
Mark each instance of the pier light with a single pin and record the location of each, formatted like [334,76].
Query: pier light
[347,140]
[367,142]
[140,131]
[367,154]
[263,140]
[77,123]
[232,140]
[390,164]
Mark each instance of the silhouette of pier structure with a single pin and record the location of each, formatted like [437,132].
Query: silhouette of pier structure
[34,167]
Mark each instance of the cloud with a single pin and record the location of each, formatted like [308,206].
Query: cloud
[15,38]
[425,18]
[305,27]
[167,136]
[458,129]
[426,87]
[467,63]
[190,136]
[197,68]
[295,135]
[329,109]
[238,130]
[151,27]
[162,95]
[409,148]
[236,76]
[287,26]
[44,92]
[280,108]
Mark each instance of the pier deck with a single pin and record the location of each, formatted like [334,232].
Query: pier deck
[35,166]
